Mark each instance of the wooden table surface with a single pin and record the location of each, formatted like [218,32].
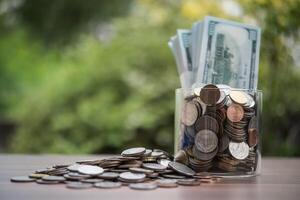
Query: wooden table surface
[280,179]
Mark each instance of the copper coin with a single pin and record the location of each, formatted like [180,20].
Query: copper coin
[235,113]
[207,122]
[210,94]
[252,137]
[189,113]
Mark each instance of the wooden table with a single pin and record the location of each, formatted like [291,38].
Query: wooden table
[280,179]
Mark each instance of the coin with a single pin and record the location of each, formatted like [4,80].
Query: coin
[181,168]
[137,151]
[253,123]
[90,170]
[167,183]
[204,156]
[173,176]
[141,170]
[210,94]
[223,142]
[252,137]
[207,122]
[239,151]
[53,178]
[79,185]
[108,184]
[189,113]
[164,162]
[206,141]
[132,177]
[235,113]
[143,186]
[91,180]
[109,175]
[41,181]
[188,182]
[182,157]
[238,97]
[21,179]
[36,175]
[154,166]
[74,167]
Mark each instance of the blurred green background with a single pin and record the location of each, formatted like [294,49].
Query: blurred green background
[97,76]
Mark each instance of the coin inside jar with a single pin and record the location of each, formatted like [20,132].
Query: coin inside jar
[235,113]
[239,151]
[207,122]
[252,137]
[189,113]
[210,94]
[206,141]
[238,97]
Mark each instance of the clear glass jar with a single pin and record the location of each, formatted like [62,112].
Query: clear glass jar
[217,130]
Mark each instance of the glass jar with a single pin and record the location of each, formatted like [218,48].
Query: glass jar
[217,130]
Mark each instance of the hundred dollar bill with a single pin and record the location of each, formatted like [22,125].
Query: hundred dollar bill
[229,54]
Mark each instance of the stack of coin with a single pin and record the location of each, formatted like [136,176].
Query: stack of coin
[138,168]
[219,130]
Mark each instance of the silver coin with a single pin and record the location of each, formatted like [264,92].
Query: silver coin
[109,175]
[137,151]
[181,168]
[108,184]
[40,181]
[154,166]
[206,141]
[164,162]
[79,185]
[189,113]
[53,178]
[74,168]
[141,170]
[143,186]
[92,180]
[129,176]
[90,170]
[239,151]
[167,183]
[23,179]
[188,182]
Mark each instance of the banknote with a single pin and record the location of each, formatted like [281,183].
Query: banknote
[229,54]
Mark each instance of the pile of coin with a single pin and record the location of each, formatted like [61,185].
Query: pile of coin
[219,130]
[138,168]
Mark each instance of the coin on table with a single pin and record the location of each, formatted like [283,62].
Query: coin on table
[136,151]
[154,166]
[79,185]
[173,176]
[181,168]
[92,180]
[189,113]
[141,170]
[181,156]
[143,186]
[239,150]
[108,184]
[41,181]
[252,137]
[167,183]
[238,97]
[206,141]
[235,113]
[22,179]
[164,162]
[74,168]
[109,175]
[37,175]
[207,122]
[188,182]
[53,178]
[132,177]
[210,94]
[90,170]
